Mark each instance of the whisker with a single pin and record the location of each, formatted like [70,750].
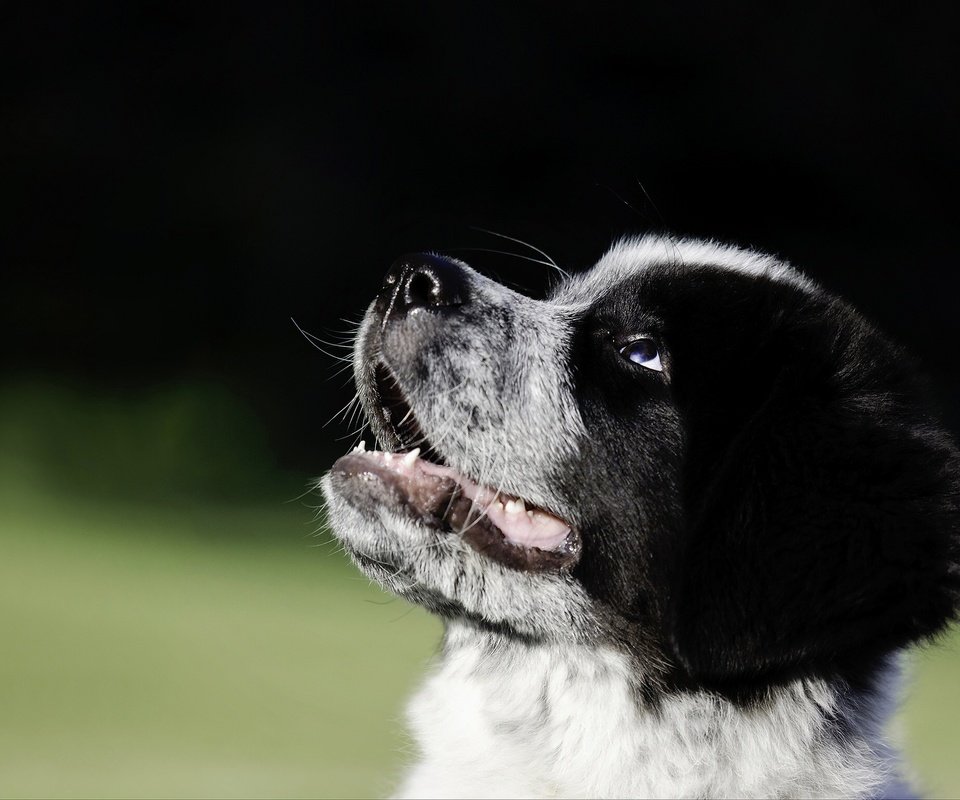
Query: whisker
[342,344]
[343,410]
[550,261]
[503,253]
[314,344]
[344,368]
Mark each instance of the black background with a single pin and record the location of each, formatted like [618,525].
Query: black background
[179,181]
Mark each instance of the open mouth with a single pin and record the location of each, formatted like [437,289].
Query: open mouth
[416,482]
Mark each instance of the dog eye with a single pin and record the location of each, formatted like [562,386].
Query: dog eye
[643,352]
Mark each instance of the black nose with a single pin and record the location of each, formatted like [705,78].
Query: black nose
[422,280]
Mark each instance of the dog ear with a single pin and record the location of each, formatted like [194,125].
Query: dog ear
[824,515]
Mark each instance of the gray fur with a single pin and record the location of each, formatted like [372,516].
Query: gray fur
[563,716]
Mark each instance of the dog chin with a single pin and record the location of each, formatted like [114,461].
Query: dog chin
[448,576]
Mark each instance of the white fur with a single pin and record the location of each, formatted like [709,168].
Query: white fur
[408,558]
[497,400]
[564,718]
[503,719]
[633,255]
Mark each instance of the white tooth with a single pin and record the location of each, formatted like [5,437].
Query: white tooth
[362,447]
[410,457]
[514,506]
[500,504]
[530,514]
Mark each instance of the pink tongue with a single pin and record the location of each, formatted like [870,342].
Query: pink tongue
[528,528]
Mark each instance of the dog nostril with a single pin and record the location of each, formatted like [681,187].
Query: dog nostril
[423,289]
[423,280]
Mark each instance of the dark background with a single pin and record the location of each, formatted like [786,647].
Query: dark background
[177,182]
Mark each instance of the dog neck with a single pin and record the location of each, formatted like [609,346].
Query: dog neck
[500,718]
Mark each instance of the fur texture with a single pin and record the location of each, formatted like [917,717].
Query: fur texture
[565,721]
[765,524]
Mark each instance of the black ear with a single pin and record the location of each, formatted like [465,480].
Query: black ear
[823,510]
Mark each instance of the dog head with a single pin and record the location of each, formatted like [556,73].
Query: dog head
[690,451]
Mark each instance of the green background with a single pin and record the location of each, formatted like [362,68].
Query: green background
[176,623]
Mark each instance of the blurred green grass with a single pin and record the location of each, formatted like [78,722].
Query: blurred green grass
[175,643]
[207,652]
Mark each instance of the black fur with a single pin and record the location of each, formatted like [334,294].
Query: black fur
[781,501]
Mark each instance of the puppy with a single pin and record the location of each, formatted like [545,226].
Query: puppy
[679,518]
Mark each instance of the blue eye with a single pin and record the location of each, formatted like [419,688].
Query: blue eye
[644,352]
